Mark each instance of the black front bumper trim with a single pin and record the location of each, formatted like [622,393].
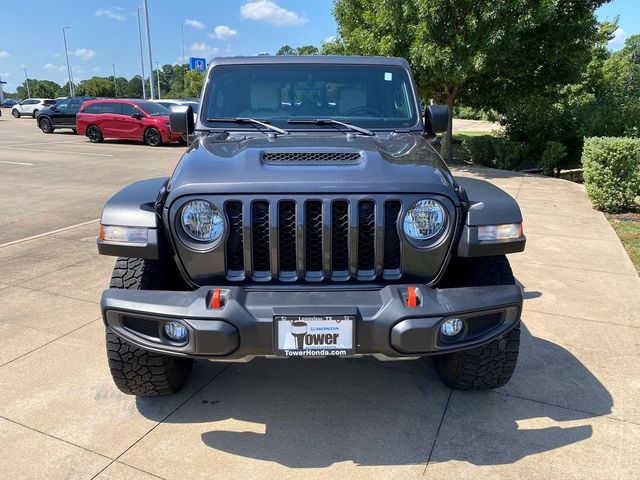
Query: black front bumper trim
[243,327]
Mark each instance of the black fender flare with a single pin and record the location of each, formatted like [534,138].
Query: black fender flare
[135,206]
[488,205]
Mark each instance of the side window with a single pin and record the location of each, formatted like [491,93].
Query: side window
[112,107]
[74,105]
[62,105]
[127,109]
[30,102]
[93,108]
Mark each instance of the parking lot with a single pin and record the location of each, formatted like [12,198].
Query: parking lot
[570,411]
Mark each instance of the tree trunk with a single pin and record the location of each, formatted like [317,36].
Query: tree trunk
[446,149]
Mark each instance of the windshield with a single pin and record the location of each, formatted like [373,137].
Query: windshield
[153,109]
[371,96]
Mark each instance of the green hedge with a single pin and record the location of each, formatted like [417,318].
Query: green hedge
[611,172]
[496,152]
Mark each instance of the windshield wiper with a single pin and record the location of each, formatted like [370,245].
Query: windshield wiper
[253,121]
[331,121]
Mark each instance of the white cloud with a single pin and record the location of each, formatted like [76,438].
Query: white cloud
[116,13]
[619,37]
[96,69]
[7,74]
[194,24]
[56,55]
[51,66]
[4,54]
[330,39]
[271,12]
[203,49]
[84,53]
[222,32]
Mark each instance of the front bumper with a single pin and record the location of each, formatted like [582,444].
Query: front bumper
[243,326]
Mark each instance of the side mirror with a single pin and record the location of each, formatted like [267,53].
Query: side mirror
[181,119]
[136,115]
[436,119]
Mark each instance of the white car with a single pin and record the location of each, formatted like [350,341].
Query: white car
[31,106]
[167,102]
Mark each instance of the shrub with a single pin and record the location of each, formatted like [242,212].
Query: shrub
[497,152]
[509,155]
[611,172]
[553,158]
[482,149]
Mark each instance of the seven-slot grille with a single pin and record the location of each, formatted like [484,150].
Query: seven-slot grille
[312,239]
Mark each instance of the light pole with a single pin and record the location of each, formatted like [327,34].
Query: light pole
[115,84]
[158,88]
[66,54]
[184,75]
[144,88]
[146,20]
[27,78]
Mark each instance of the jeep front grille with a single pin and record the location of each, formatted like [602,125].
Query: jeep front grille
[335,239]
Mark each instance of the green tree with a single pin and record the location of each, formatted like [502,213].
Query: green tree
[303,50]
[483,53]
[96,87]
[194,80]
[38,89]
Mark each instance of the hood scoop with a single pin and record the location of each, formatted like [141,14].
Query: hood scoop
[297,157]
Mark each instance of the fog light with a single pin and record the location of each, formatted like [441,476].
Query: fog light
[451,327]
[176,331]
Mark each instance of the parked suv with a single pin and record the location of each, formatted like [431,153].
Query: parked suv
[311,217]
[31,106]
[61,115]
[127,120]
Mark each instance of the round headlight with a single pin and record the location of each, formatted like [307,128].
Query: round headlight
[202,221]
[424,220]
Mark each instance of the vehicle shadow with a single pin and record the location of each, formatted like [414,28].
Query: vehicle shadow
[306,413]
[139,143]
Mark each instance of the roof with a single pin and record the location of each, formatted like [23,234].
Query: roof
[314,59]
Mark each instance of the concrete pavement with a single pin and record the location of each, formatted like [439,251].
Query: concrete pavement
[570,411]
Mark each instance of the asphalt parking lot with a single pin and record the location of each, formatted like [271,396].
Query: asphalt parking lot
[570,411]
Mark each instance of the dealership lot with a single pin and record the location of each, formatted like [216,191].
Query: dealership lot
[570,411]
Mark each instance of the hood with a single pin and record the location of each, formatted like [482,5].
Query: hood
[396,163]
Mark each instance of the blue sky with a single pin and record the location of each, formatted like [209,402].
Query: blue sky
[106,32]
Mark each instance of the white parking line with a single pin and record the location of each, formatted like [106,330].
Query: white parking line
[17,163]
[23,149]
[27,144]
[45,234]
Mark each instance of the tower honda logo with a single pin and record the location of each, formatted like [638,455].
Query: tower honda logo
[317,338]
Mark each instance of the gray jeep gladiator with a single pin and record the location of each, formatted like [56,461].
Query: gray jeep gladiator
[310,217]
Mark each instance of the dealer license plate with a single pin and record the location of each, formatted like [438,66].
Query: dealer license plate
[314,335]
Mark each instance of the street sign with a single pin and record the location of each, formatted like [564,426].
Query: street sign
[199,64]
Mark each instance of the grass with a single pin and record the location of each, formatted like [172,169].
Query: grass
[627,226]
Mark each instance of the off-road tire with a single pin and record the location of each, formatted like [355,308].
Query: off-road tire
[135,370]
[147,374]
[46,126]
[15,113]
[481,368]
[94,134]
[487,366]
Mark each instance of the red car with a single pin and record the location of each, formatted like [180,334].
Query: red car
[127,120]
